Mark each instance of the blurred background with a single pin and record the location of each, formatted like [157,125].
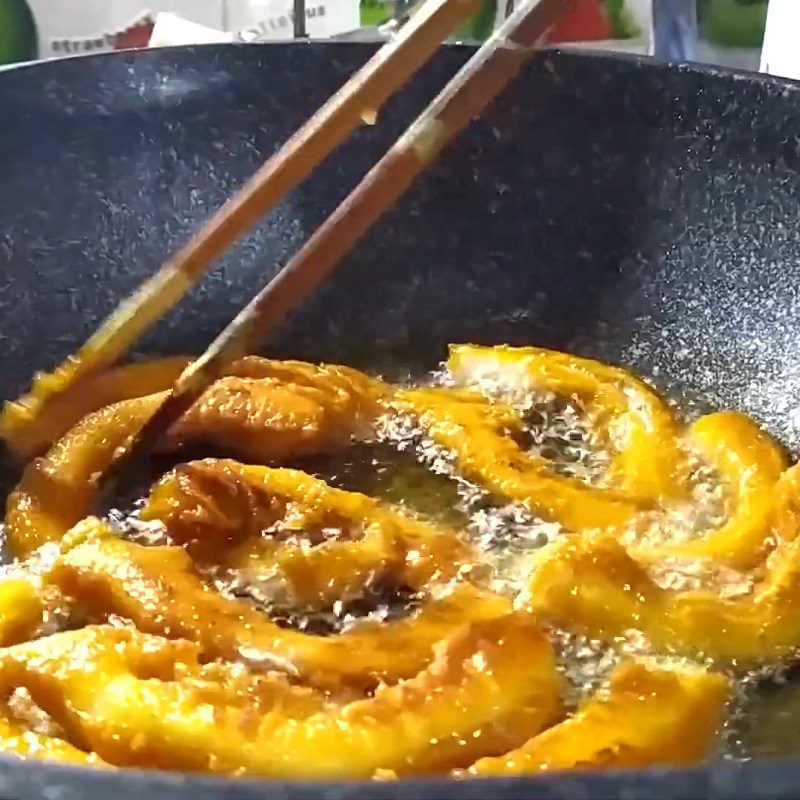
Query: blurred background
[725,32]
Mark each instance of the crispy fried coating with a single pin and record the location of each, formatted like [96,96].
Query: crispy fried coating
[140,700]
[159,589]
[594,586]
[645,715]
[298,409]
[320,542]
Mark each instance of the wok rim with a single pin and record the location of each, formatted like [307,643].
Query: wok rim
[737,780]
[730,780]
[579,51]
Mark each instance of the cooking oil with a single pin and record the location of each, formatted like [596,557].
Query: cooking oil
[403,466]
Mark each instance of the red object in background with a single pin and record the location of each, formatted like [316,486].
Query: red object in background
[136,35]
[588,22]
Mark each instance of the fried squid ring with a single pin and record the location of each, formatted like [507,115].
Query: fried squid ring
[158,589]
[28,430]
[481,436]
[632,420]
[266,411]
[752,464]
[594,586]
[637,425]
[298,409]
[141,700]
[647,715]
[238,516]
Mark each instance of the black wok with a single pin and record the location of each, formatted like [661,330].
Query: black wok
[643,214]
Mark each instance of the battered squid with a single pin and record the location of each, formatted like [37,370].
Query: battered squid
[593,585]
[159,590]
[752,465]
[29,427]
[267,411]
[629,417]
[181,676]
[482,436]
[296,409]
[300,392]
[646,714]
[320,543]
[626,414]
[139,700]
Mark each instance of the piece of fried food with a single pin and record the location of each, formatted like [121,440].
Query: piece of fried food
[141,700]
[30,424]
[298,409]
[266,411]
[752,464]
[315,542]
[159,590]
[628,416]
[592,585]
[482,437]
[29,427]
[646,715]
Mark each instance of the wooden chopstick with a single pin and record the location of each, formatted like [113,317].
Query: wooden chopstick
[355,104]
[463,99]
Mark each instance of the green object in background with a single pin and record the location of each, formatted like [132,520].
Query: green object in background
[620,19]
[17,32]
[623,25]
[373,12]
[733,23]
[480,27]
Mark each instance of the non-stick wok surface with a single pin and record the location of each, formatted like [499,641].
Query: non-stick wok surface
[610,206]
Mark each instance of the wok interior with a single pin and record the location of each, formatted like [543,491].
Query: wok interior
[662,239]
[606,206]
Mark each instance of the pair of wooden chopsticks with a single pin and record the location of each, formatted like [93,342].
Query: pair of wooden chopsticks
[359,100]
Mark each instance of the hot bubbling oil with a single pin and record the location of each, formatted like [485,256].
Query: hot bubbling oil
[403,466]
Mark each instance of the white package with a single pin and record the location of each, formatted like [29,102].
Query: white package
[780,54]
[66,27]
[273,19]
